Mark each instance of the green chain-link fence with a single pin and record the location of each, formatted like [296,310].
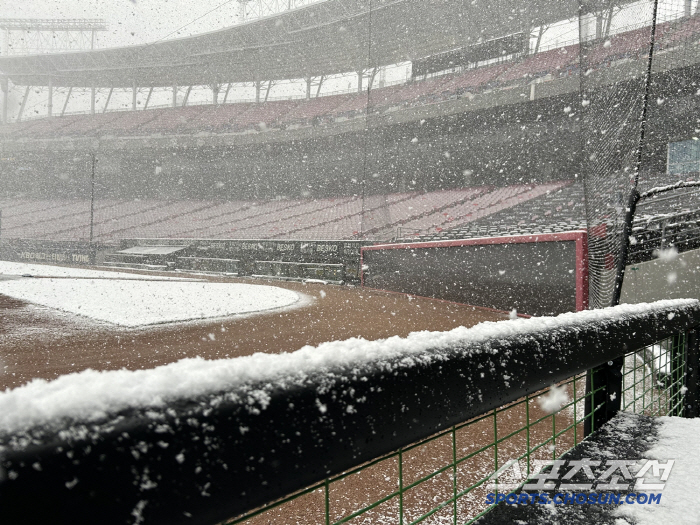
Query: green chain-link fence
[445,478]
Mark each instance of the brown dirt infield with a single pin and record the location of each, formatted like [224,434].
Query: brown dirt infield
[38,342]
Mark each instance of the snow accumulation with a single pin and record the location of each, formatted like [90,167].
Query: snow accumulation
[92,395]
[677,440]
[45,270]
[140,303]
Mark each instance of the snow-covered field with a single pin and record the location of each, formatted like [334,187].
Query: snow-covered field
[133,300]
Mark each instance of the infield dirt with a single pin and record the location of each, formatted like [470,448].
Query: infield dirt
[39,342]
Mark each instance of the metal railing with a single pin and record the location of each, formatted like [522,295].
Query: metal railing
[403,440]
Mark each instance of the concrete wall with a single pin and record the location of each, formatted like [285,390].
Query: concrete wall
[658,279]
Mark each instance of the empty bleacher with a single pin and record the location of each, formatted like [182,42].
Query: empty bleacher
[377,217]
[543,209]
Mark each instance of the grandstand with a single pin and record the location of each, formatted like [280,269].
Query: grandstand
[482,138]
[244,117]
[332,218]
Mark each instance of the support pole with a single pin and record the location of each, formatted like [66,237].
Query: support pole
[134,92]
[23,104]
[359,81]
[676,396]
[215,88]
[109,96]
[5,86]
[688,8]
[65,104]
[187,96]
[92,197]
[148,98]
[257,91]
[603,395]
[692,395]
[308,88]
[93,91]
[228,88]
[50,105]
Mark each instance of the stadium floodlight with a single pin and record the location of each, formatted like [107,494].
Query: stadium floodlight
[254,9]
[46,35]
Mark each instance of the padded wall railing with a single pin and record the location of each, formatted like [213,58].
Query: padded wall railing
[209,458]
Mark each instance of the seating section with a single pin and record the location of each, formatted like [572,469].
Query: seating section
[545,208]
[244,117]
[440,215]
[378,217]
[556,207]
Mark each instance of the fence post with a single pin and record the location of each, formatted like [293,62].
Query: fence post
[603,403]
[679,356]
[692,382]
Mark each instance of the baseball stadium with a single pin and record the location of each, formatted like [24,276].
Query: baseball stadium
[353,261]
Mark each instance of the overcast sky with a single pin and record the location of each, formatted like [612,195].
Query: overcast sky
[136,22]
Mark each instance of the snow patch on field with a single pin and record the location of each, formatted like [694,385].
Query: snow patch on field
[91,395]
[45,270]
[133,303]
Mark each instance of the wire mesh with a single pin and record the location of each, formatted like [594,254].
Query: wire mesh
[443,479]
[654,379]
[446,478]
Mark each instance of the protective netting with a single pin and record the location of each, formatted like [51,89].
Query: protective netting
[632,56]
[367,120]
[613,103]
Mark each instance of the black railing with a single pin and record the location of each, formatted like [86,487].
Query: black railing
[212,457]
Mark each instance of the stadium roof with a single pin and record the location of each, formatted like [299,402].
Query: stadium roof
[320,39]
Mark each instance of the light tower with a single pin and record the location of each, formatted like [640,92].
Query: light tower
[253,9]
[31,36]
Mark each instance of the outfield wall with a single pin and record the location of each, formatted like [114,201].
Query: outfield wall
[535,274]
[53,252]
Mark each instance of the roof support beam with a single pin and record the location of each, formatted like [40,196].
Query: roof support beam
[23,104]
[187,96]
[65,104]
[109,96]
[228,88]
[148,98]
